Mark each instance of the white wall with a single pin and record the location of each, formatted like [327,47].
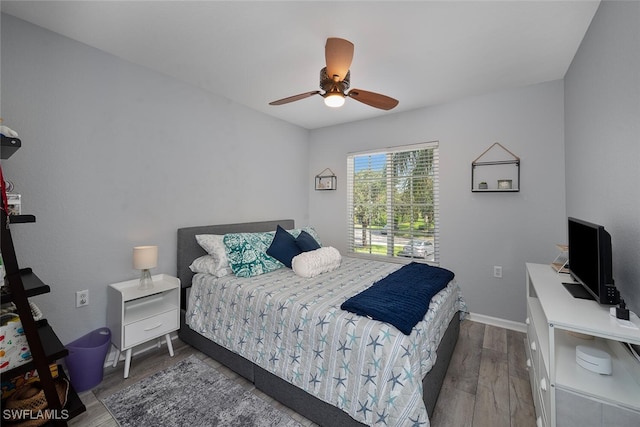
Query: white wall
[478,230]
[115,155]
[602,100]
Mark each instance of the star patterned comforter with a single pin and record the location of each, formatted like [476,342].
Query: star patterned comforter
[294,328]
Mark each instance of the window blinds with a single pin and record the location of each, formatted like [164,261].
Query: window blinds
[392,199]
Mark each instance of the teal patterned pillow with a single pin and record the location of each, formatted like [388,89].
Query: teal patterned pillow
[247,253]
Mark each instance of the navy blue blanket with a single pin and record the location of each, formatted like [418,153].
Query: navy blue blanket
[402,298]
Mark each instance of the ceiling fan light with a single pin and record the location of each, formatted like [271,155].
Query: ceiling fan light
[334,100]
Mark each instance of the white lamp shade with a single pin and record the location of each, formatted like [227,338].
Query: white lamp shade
[145,257]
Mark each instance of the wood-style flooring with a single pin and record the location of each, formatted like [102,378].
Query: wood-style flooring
[487,384]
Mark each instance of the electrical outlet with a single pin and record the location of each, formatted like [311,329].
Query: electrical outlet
[82,298]
[497,271]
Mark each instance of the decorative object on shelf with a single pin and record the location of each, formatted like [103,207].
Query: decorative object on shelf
[14,347]
[496,165]
[9,386]
[326,181]
[505,184]
[561,263]
[29,400]
[145,258]
[14,203]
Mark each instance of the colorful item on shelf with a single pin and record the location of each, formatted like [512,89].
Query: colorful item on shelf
[14,349]
[10,386]
[28,405]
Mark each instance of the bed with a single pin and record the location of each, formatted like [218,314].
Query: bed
[332,376]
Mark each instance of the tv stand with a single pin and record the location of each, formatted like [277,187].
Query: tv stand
[577,291]
[564,393]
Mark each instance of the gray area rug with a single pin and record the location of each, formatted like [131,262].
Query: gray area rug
[192,393]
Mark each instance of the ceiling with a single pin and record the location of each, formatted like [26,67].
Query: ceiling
[422,53]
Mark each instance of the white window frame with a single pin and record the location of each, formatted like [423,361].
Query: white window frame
[391,238]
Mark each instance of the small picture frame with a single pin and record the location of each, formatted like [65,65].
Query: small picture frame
[505,184]
[14,203]
[327,182]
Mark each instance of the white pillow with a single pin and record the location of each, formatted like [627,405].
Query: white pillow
[206,264]
[313,263]
[214,245]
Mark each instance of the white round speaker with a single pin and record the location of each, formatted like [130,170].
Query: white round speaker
[594,359]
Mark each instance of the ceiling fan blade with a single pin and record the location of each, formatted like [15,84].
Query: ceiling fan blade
[294,98]
[373,99]
[338,54]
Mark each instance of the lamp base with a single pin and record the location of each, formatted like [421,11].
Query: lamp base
[146,282]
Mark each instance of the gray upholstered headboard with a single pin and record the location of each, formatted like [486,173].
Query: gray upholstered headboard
[189,249]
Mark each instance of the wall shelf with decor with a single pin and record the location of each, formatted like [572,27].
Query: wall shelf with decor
[496,170]
[326,180]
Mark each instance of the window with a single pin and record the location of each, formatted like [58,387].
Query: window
[393,202]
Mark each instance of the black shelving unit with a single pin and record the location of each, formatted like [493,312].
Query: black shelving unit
[32,286]
[21,219]
[44,345]
[9,146]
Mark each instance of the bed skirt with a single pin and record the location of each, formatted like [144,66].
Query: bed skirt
[304,403]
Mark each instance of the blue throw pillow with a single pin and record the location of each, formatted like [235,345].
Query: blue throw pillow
[306,242]
[283,248]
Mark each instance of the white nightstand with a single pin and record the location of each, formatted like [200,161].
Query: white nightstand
[136,316]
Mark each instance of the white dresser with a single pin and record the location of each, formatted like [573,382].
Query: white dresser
[564,393]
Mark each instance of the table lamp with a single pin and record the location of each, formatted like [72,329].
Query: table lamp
[145,258]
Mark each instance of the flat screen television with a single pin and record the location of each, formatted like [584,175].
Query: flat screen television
[590,262]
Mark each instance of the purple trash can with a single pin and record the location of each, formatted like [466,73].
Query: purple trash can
[85,361]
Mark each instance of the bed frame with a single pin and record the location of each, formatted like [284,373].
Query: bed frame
[295,398]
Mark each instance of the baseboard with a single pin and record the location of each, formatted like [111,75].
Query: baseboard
[136,350]
[494,321]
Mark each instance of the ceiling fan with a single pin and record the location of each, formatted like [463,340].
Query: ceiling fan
[335,79]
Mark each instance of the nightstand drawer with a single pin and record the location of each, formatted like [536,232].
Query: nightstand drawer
[150,328]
